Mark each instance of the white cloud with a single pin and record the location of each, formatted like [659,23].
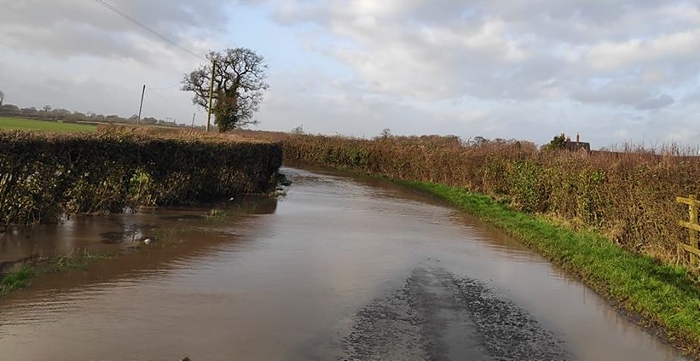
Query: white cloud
[75,27]
[668,47]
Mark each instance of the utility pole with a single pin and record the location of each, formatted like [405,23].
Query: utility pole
[211,92]
[143,92]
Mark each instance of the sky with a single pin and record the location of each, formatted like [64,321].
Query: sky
[615,71]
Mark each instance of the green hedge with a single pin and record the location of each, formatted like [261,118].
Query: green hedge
[43,176]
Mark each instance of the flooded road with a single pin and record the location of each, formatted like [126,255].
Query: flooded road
[337,269]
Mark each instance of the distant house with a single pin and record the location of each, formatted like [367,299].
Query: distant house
[577,145]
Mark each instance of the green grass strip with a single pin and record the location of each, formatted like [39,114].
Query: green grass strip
[42,125]
[17,280]
[22,278]
[665,296]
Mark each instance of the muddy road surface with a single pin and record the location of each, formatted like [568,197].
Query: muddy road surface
[340,268]
[437,316]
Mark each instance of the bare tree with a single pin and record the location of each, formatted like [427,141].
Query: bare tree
[239,86]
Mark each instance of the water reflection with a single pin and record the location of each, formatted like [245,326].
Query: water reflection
[119,231]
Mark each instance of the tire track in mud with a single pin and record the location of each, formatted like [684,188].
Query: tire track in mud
[437,316]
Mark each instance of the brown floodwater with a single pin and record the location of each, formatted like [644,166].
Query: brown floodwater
[269,279]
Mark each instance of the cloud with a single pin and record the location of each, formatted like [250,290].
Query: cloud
[659,102]
[617,95]
[73,28]
[501,49]
[609,55]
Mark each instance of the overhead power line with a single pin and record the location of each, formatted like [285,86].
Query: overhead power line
[145,27]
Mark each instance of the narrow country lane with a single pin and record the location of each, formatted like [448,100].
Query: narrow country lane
[340,268]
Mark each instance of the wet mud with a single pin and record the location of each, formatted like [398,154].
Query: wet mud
[438,316]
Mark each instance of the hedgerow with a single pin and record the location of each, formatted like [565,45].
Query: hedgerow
[44,176]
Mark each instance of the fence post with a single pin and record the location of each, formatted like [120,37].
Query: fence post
[693,226]
[693,234]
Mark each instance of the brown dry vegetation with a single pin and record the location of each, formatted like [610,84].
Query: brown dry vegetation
[43,176]
[629,197]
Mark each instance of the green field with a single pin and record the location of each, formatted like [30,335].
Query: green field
[30,124]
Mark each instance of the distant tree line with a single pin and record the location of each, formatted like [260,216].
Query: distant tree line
[66,116]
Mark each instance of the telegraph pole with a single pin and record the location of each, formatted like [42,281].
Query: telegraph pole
[211,92]
[143,92]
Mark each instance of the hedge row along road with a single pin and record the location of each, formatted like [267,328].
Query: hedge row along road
[46,175]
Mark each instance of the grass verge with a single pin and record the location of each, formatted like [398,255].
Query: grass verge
[660,296]
[22,278]
[69,262]
[17,280]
